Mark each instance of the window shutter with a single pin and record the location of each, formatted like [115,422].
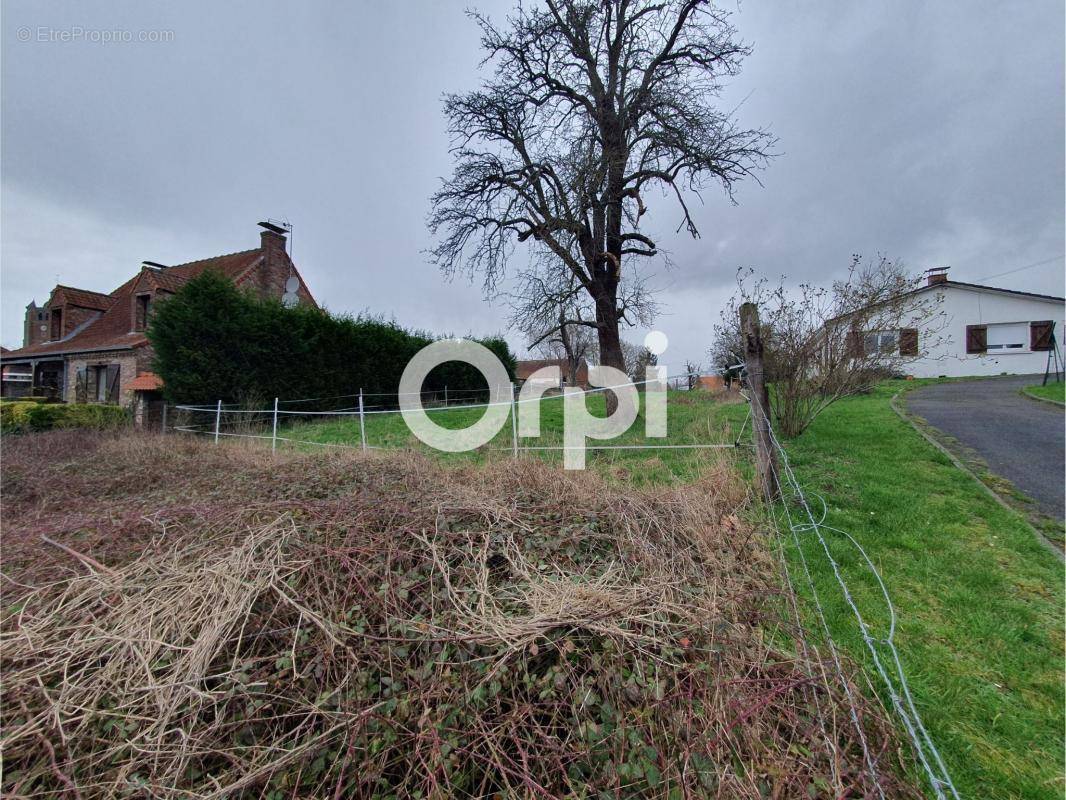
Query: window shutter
[976,338]
[81,389]
[112,383]
[1040,335]
[908,342]
[855,345]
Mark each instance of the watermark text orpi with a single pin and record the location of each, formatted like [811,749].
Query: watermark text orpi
[579,425]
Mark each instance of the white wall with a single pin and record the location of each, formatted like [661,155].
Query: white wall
[944,350]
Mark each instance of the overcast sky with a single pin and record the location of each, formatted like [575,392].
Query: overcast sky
[927,131]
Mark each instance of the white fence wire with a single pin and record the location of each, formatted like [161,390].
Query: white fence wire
[215,417]
[790,497]
[893,676]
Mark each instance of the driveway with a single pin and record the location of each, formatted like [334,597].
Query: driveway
[1021,439]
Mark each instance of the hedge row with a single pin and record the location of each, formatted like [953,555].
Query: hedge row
[22,416]
[214,342]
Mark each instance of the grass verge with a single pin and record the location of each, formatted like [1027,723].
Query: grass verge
[980,601]
[1052,391]
[694,418]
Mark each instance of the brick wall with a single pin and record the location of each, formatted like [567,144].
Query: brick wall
[270,277]
[34,334]
[128,366]
[73,316]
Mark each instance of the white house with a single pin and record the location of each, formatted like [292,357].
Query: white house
[983,330]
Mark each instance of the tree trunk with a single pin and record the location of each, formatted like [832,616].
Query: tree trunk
[609,340]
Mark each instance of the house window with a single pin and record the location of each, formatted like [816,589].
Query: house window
[141,312]
[98,383]
[1007,337]
[875,342]
[101,383]
[57,324]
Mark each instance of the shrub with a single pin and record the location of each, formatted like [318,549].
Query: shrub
[390,627]
[22,417]
[213,341]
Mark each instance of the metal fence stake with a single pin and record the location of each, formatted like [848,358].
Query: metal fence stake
[514,423]
[218,419]
[445,394]
[362,422]
[274,435]
[164,418]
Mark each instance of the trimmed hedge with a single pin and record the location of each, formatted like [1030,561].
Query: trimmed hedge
[214,342]
[23,417]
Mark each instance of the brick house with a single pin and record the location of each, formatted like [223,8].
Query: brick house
[525,369]
[85,346]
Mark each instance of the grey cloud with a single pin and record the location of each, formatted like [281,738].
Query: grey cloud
[929,131]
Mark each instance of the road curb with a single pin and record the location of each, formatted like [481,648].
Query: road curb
[905,416]
[1047,400]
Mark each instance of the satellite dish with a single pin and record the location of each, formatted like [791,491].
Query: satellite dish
[292,284]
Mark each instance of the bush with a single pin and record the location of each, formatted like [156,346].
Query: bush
[22,417]
[390,627]
[212,341]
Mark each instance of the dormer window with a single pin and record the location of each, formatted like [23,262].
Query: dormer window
[140,312]
[57,324]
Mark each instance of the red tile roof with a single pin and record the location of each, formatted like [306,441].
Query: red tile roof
[83,298]
[146,382]
[523,369]
[113,328]
[232,265]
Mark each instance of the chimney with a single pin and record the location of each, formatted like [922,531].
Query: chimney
[936,275]
[272,237]
[276,267]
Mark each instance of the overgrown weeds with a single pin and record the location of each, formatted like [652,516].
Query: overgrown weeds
[382,626]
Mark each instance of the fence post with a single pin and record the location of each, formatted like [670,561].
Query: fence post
[362,424]
[765,462]
[218,419]
[274,433]
[514,423]
[445,395]
[164,423]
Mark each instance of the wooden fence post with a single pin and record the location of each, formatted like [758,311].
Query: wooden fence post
[765,461]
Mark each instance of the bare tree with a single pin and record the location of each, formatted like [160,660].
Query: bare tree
[590,105]
[565,338]
[825,344]
[555,314]
[637,358]
[692,373]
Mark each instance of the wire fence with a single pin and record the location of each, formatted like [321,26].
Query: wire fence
[792,514]
[792,507]
[381,425]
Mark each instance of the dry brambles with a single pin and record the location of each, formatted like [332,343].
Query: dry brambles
[323,625]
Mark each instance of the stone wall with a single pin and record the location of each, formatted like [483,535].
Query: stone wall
[128,368]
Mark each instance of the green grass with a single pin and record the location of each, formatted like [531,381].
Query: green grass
[1052,391]
[693,419]
[980,601]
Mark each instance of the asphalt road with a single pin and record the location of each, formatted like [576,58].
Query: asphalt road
[1021,439]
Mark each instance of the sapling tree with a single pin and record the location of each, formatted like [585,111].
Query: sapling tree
[822,344]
